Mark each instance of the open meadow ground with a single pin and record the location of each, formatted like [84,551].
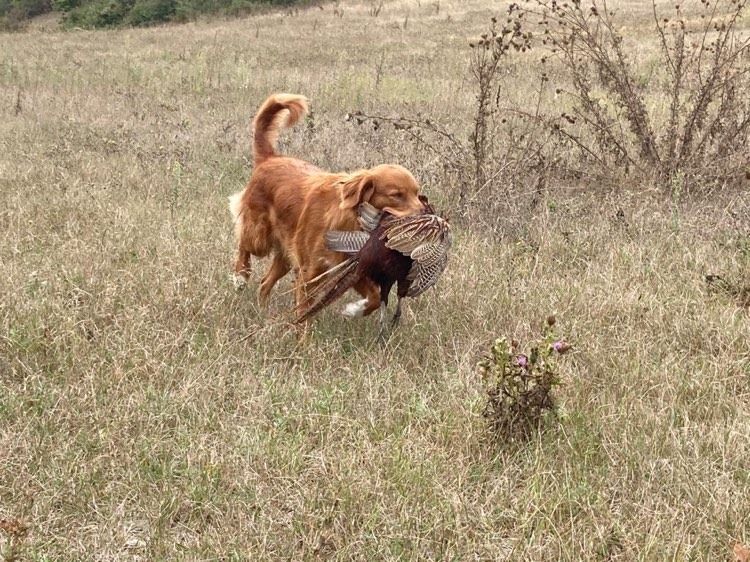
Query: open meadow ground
[150,412]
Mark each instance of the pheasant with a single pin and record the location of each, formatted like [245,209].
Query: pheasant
[410,252]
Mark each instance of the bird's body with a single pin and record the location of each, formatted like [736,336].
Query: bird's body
[409,252]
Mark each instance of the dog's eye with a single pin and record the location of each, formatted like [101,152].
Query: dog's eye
[397,195]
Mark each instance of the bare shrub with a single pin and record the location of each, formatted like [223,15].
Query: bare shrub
[504,157]
[606,121]
[612,126]
[497,154]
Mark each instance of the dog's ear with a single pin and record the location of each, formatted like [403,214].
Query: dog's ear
[358,188]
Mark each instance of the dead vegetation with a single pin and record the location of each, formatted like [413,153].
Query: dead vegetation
[149,412]
[600,120]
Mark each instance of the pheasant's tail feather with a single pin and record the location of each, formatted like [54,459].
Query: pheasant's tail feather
[326,274]
[328,290]
[346,241]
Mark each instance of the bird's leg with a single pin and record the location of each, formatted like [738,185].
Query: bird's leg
[383,320]
[385,290]
[396,314]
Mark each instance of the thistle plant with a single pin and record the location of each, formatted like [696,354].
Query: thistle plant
[520,384]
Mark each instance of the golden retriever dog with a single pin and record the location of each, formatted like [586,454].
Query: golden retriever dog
[288,205]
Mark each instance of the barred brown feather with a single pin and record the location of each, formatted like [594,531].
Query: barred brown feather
[346,242]
[369,217]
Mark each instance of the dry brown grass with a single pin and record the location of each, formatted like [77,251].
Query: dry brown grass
[149,412]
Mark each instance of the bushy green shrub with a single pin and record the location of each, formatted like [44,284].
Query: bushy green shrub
[186,10]
[99,13]
[29,8]
[145,12]
[13,13]
[64,5]
[113,13]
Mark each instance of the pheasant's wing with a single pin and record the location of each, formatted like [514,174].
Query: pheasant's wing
[423,276]
[430,260]
[369,216]
[409,233]
[346,241]
[430,252]
[426,239]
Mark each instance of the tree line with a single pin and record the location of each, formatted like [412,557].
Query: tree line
[14,14]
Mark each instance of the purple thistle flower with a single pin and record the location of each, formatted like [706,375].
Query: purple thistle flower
[522,361]
[560,346]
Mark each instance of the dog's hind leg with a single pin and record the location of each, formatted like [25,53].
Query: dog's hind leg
[242,256]
[280,266]
[252,234]
[241,268]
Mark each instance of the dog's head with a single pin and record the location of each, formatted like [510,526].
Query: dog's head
[388,187]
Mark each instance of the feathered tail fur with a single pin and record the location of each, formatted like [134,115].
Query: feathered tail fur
[277,112]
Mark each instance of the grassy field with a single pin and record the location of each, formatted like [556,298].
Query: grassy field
[150,412]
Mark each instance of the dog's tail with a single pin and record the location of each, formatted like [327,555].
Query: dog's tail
[277,112]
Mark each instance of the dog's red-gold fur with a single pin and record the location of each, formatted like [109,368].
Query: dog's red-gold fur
[288,205]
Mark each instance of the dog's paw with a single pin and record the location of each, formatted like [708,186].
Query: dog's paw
[238,281]
[354,309]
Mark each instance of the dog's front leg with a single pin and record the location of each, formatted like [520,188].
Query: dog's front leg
[369,304]
[300,286]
